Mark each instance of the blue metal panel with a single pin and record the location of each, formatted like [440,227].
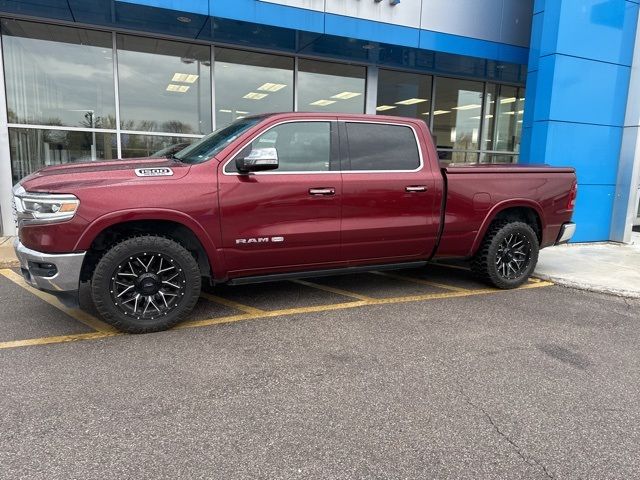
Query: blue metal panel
[573,89]
[593,212]
[596,29]
[538,6]
[57,9]
[374,31]
[268,13]
[470,46]
[158,20]
[192,6]
[592,150]
[98,12]
[536,38]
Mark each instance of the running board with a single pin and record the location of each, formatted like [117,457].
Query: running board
[276,277]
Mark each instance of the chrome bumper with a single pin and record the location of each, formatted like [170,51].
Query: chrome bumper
[64,278]
[566,232]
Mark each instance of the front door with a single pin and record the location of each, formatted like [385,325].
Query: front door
[289,218]
[390,209]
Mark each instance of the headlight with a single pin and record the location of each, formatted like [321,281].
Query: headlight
[35,208]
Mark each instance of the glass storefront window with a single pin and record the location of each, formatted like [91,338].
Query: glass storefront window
[503,118]
[32,148]
[457,156]
[404,94]
[164,86]
[330,87]
[248,83]
[152,145]
[456,114]
[57,75]
[498,158]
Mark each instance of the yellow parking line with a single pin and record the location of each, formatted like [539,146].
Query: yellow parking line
[230,303]
[346,305]
[76,313]
[277,313]
[338,291]
[59,339]
[422,282]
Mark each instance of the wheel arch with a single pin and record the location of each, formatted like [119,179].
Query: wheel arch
[523,210]
[107,230]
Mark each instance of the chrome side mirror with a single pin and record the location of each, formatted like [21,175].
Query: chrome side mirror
[260,159]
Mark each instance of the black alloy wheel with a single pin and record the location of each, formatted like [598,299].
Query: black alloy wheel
[146,284]
[508,254]
[513,256]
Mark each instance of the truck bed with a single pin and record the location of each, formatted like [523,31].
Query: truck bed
[475,192]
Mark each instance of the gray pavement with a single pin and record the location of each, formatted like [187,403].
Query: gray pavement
[533,383]
[599,267]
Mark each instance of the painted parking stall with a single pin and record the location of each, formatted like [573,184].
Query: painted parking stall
[46,320]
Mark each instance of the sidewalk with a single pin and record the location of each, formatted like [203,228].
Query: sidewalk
[7,256]
[598,267]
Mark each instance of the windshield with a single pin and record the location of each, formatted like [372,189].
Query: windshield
[213,143]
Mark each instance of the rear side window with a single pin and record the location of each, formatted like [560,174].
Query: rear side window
[376,146]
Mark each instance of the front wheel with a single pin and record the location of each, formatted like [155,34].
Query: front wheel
[508,255]
[146,284]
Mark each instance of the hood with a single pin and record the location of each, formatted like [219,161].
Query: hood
[67,178]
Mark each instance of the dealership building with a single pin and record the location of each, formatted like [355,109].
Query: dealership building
[497,81]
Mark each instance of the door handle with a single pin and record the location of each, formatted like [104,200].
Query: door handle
[415,188]
[322,191]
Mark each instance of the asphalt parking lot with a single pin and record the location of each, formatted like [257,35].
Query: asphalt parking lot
[412,374]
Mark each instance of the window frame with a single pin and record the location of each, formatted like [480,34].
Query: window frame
[344,146]
[334,160]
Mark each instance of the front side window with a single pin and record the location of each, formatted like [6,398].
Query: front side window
[301,146]
[215,142]
[376,146]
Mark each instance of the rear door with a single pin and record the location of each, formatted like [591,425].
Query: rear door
[289,218]
[389,207]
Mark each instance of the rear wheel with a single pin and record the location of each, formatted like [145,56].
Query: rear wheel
[508,255]
[146,284]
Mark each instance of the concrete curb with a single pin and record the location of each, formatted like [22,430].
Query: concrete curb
[587,287]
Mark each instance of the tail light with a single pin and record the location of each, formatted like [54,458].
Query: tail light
[573,194]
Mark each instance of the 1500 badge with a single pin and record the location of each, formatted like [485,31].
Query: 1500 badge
[243,241]
[154,172]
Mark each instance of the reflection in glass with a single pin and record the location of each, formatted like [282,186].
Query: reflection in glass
[456,115]
[152,145]
[503,118]
[404,94]
[450,156]
[32,149]
[248,83]
[498,158]
[164,86]
[330,87]
[58,75]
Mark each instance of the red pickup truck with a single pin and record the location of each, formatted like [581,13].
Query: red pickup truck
[277,196]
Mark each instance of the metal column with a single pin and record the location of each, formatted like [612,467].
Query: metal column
[6,183]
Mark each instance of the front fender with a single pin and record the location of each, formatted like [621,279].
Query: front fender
[113,218]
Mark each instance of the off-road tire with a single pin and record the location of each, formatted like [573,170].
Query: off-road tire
[484,263]
[105,274]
